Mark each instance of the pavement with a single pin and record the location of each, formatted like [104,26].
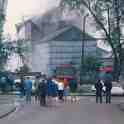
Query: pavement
[6,109]
[7,105]
[86,111]
[121,106]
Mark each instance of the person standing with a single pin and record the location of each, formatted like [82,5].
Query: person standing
[49,90]
[108,86]
[42,91]
[54,89]
[55,81]
[66,89]
[28,89]
[10,81]
[22,88]
[60,90]
[73,89]
[3,82]
[98,87]
[37,81]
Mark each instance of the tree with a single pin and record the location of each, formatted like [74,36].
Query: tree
[91,64]
[19,47]
[23,69]
[4,50]
[22,48]
[5,53]
[109,24]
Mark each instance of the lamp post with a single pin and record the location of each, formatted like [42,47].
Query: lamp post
[82,45]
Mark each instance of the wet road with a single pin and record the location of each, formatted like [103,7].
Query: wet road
[85,112]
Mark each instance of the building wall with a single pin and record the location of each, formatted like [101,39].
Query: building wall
[35,33]
[40,58]
[28,32]
[46,56]
[21,34]
[64,52]
[25,32]
[48,28]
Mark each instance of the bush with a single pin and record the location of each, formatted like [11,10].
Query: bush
[85,89]
[88,79]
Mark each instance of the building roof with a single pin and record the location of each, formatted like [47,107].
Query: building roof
[68,33]
[63,30]
[22,24]
[52,15]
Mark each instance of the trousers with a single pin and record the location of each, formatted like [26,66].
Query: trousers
[108,96]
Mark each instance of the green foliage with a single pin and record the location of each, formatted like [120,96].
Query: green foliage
[122,55]
[4,49]
[5,52]
[91,64]
[108,15]
[7,48]
[97,8]
[22,48]
[99,11]
[2,20]
[85,88]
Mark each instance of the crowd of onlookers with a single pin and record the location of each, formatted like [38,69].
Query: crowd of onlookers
[47,89]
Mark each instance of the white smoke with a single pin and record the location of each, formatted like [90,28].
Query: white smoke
[17,10]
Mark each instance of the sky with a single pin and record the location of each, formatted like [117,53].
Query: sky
[17,10]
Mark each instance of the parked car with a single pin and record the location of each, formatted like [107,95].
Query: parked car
[93,88]
[117,90]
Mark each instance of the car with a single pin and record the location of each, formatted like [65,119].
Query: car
[117,90]
[17,81]
[93,88]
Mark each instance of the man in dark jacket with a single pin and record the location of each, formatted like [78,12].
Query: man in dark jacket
[98,87]
[42,91]
[108,86]
[22,88]
[73,89]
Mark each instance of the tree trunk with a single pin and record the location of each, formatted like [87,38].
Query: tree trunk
[116,69]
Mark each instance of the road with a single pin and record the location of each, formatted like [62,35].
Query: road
[85,112]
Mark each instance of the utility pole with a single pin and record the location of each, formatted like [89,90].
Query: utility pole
[83,45]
